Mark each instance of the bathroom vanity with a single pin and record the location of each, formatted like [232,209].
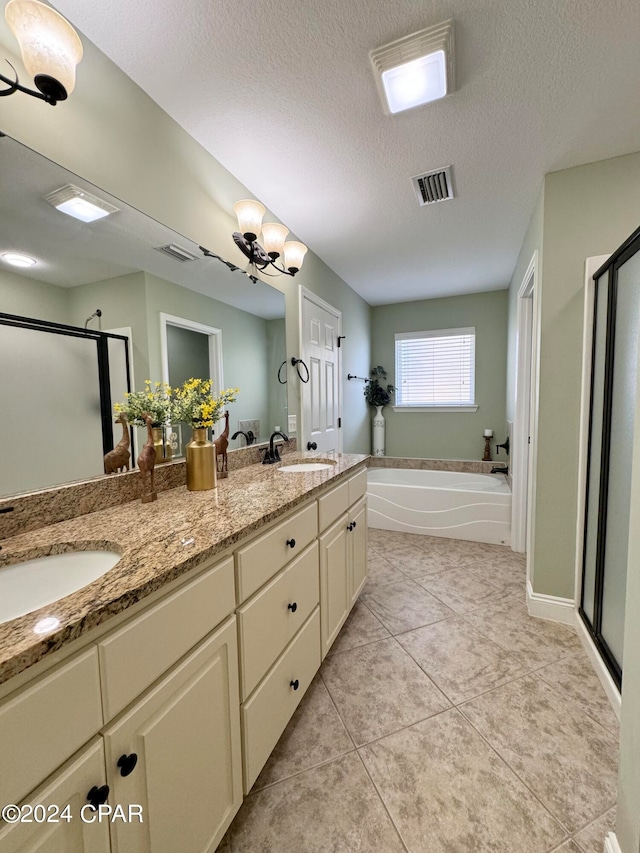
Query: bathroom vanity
[169,680]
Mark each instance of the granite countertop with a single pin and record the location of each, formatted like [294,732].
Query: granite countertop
[158,541]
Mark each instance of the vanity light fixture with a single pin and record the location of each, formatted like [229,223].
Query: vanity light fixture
[415,69]
[250,213]
[80,204]
[50,49]
[18,260]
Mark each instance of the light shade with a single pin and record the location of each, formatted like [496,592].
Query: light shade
[249,213]
[49,45]
[273,237]
[294,253]
[80,204]
[415,69]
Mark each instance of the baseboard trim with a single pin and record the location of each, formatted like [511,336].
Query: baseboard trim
[550,607]
[611,844]
[608,684]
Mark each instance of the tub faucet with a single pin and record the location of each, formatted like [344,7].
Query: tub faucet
[272,454]
[504,470]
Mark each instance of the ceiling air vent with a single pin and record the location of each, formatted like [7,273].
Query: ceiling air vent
[176,252]
[434,186]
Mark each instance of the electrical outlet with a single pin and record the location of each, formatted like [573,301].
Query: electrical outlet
[292,423]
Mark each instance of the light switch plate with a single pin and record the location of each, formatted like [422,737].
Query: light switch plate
[292,423]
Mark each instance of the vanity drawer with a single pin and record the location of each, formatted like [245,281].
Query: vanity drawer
[266,714]
[332,505]
[139,652]
[267,622]
[266,555]
[357,486]
[45,723]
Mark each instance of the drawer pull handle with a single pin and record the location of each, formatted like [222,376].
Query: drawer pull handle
[293,606]
[291,543]
[350,526]
[127,763]
[354,524]
[295,684]
[98,796]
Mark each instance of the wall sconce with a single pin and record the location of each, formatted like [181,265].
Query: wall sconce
[250,225]
[50,49]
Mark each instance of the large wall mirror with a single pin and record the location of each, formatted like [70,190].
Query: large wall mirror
[167,312]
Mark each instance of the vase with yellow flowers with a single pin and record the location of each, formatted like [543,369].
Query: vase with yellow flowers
[155,401]
[195,404]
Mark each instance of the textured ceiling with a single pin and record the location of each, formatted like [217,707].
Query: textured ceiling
[282,94]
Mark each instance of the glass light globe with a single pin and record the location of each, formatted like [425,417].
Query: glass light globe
[273,237]
[249,213]
[294,253]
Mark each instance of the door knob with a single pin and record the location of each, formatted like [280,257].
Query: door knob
[98,796]
[311,445]
[292,607]
[127,763]
[295,684]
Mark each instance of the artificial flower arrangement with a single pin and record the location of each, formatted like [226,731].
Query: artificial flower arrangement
[155,400]
[195,404]
[376,394]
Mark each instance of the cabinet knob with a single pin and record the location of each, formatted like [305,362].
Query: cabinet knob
[291,543]
[98,796]
[354,524]
[293,606]
[295,684]
[127,763]
[311,445]
[350,526]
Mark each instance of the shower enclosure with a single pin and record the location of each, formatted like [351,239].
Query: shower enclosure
[614,385]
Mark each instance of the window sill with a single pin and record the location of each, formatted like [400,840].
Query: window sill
[423,409]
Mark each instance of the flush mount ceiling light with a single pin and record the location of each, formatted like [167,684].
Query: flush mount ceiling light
[80,204]
[415,69]
[18,260]
[250,213]
[50,49]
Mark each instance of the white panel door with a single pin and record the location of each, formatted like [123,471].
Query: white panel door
[321,395]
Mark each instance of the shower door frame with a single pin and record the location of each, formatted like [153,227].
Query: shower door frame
[625,252]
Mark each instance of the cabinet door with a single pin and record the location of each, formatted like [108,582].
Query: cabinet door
[186,735]
[69,786]
[335,602]
[357,549]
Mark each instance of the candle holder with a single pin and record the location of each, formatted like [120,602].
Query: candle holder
[487,449]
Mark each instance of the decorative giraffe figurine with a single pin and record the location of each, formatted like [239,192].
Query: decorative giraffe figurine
[221,443]
[146,464]
[117,460]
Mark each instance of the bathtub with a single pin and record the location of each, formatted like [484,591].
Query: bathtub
[476,507]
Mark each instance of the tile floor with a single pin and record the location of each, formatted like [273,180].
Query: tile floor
[444,720]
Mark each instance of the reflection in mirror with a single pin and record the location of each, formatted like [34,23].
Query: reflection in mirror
[180,313]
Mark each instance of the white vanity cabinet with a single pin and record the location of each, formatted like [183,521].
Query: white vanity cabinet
[69,833]
[179,751]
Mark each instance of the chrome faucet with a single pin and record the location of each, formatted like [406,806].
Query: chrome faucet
[249,437]
[272,454]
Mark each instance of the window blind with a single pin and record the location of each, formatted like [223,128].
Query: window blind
[436,368]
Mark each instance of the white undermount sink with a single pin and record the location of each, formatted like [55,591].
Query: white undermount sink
[28,586]
[302,467]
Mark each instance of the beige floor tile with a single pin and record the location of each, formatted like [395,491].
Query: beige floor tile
[381,572]
[591,839]
[460,590]
[333,807]
[534,642]
[567,759]
[314,735]
[508,574]
[405,605]
[569,846]
[418,563]
[460,552]
[361,627]
[461,661]
[575,679]
[379,689]
[448,792]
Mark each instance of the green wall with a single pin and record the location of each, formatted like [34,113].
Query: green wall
[29,298]
[588,211]
[444,435]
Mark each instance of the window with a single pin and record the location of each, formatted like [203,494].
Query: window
[436,370]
